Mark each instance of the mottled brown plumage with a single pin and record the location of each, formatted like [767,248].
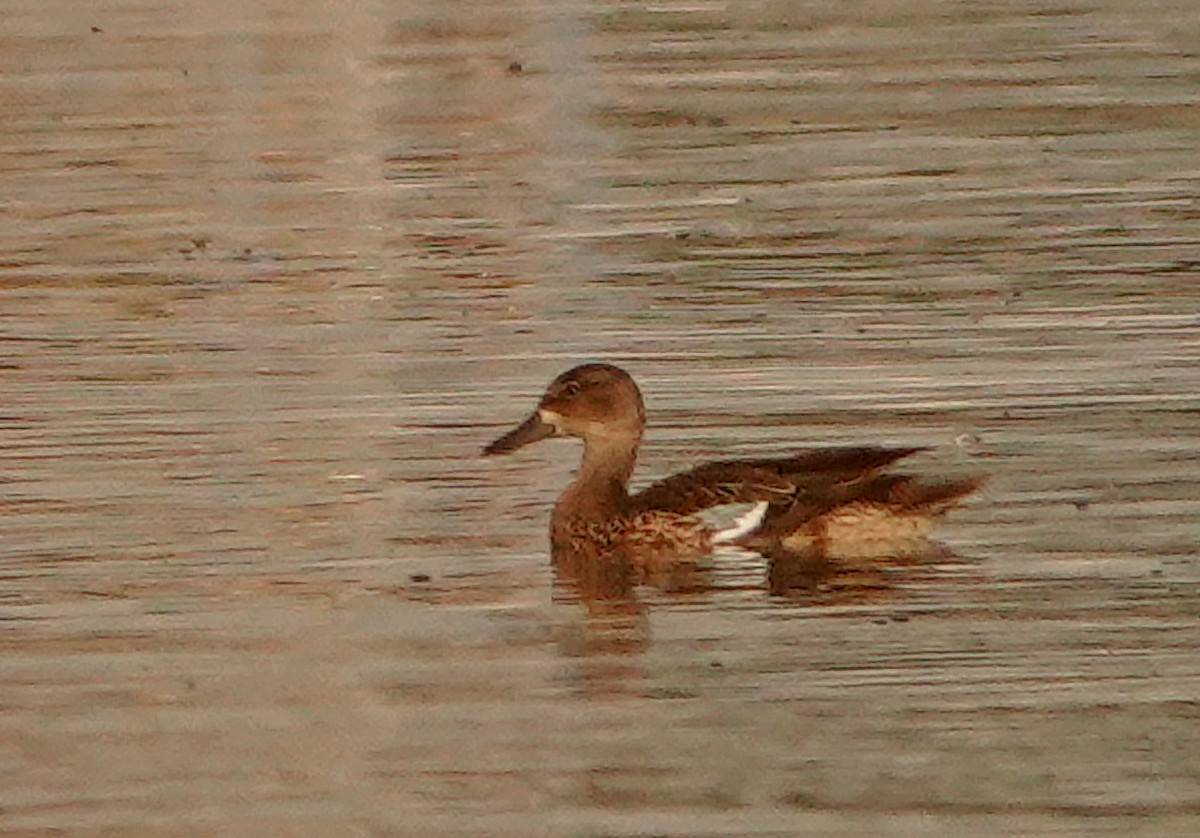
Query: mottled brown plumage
[886,515]
[775,481]
[827,504]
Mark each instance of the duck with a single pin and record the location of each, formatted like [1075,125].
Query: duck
[814,511]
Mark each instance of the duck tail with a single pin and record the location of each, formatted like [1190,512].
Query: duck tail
[936,497]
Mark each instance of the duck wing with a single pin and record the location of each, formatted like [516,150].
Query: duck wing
[893,494]
[778,481]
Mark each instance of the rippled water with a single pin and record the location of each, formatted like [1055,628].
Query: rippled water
[272,276]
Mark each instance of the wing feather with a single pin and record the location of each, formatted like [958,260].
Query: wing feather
[777,481]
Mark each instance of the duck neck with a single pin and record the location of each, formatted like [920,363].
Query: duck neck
[600,489]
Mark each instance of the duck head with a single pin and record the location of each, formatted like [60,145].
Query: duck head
[598,403]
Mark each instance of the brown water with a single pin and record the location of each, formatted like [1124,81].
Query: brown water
[273,273]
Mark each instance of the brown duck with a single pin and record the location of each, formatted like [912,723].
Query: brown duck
[817,509]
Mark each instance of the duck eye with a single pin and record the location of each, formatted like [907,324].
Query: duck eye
[572,388]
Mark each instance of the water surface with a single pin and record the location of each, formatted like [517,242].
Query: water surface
[273,275]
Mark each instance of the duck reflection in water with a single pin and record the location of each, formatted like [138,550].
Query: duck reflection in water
[816,512]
